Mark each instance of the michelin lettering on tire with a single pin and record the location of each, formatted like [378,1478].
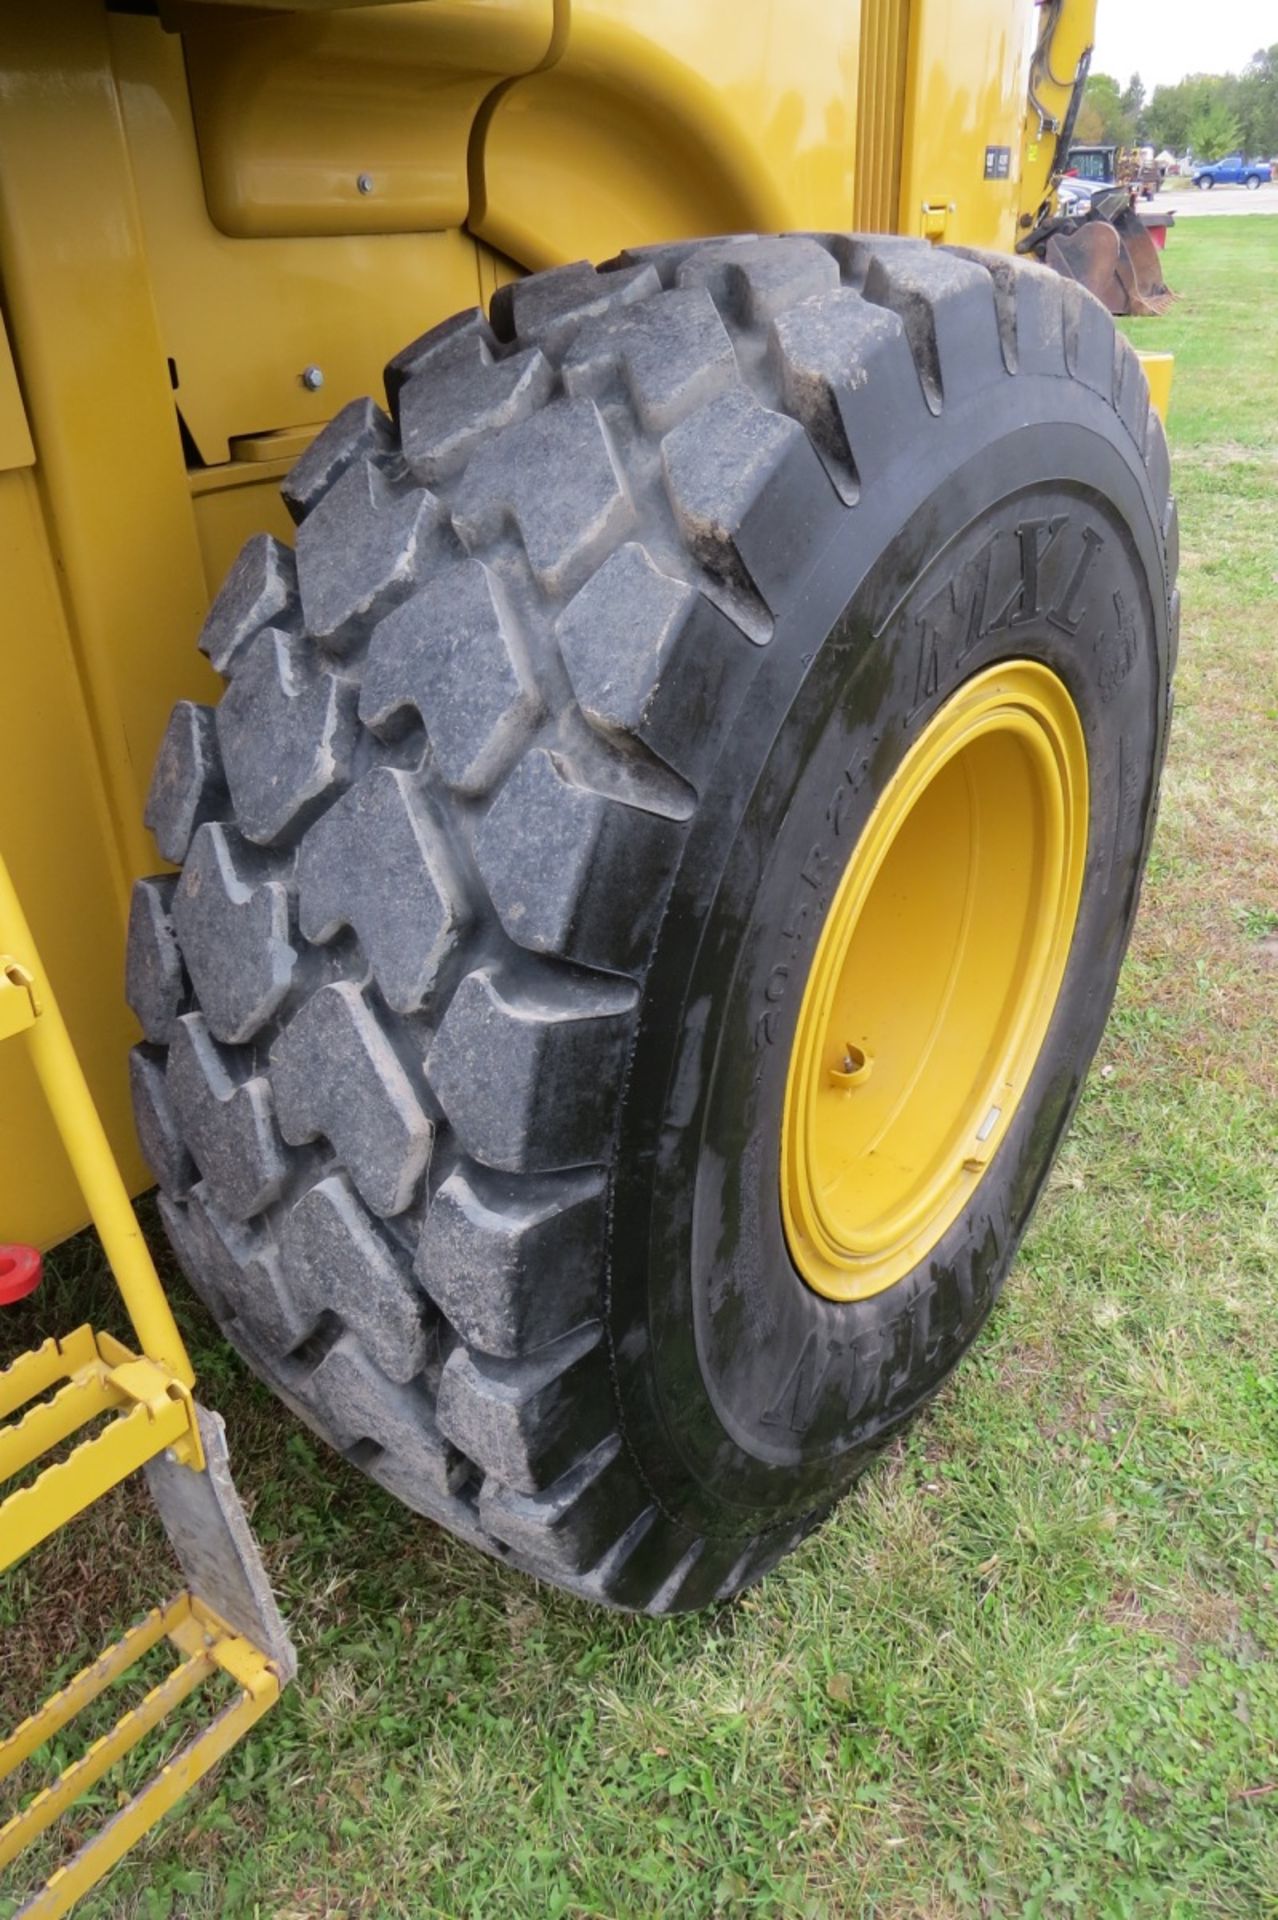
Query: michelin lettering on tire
[507,844]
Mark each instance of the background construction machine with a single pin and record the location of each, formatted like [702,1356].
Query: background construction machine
[638,916]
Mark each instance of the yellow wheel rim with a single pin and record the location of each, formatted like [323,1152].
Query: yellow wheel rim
[934,980]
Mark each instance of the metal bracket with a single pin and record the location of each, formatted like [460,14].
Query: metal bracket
[210,1534]
[19,1008]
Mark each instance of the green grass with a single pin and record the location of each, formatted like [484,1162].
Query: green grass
[1031,1667]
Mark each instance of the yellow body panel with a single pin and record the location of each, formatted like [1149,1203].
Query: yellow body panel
[1159,368]
[16,449]
[664,119]
[241,319]
[68,866]
[354,123]
[231,504]
[182,230]
[965,94]
[94,375]
[882,74]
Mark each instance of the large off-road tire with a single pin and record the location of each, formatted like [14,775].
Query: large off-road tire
[484,998]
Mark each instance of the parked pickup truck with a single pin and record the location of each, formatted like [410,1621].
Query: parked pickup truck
[1233,171]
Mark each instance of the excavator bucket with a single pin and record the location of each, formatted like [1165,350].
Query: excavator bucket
[1114,258]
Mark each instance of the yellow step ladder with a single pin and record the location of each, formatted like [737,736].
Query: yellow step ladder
[143,1415]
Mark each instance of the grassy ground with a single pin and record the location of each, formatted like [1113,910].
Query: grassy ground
[1030,1668]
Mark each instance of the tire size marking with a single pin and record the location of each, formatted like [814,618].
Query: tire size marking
[837,1376]
[1002,589]
[811,898]
[1115,650]
[1037,570]
[804,907]
[1128,799]
[830,1367]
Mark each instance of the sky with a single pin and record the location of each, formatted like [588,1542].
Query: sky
[1163,43]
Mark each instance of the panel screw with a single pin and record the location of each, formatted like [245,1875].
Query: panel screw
[364,181]
[312,378]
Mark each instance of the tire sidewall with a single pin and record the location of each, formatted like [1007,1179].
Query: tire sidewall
[749,1396]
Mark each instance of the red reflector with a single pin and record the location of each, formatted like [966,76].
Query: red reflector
[20,1269]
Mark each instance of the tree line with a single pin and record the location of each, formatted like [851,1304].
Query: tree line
[1209,113]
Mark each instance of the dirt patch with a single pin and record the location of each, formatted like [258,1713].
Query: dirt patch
[1192,1619]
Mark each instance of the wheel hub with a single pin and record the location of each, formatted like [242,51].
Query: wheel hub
[934,980]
